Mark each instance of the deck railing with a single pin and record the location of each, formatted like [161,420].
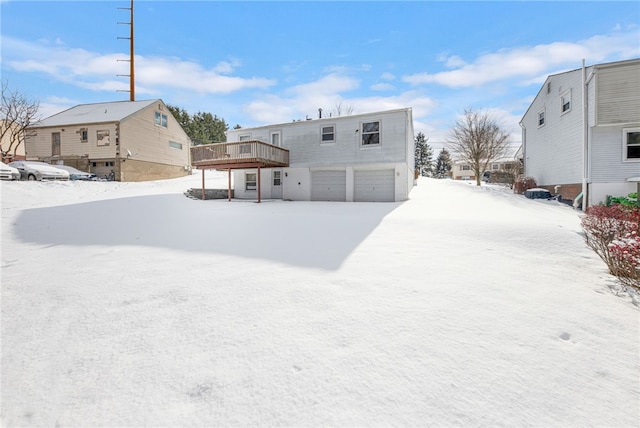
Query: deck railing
[239,153]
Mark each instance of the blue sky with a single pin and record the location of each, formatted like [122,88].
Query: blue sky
[255,63]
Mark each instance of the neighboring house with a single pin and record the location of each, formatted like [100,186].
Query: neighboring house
[463,171]
[366,157]
[11,145]
[585,148]
[137,140]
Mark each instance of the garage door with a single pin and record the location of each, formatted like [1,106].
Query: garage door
[374,186]
[328,186]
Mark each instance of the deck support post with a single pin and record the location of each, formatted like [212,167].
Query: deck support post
[229,183]
[258,184]
[203,193]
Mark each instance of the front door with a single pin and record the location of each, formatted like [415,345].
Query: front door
[276,184]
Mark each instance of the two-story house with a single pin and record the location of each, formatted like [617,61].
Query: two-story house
[365,157]
[581,133]
[130,140]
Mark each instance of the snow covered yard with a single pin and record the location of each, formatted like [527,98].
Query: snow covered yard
[128,304]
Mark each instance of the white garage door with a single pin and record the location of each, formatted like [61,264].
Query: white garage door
[374,186]
[328,186]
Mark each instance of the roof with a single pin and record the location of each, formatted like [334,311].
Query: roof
[95,113]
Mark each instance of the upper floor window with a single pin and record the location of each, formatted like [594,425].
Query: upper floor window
[565,101]
[161,119]
[371,133]
[495,166]
[466,168]
[275,138]
[103,137]
[84,135]
[328,134]
[541,118]
[175,145]
[244,138]
[245,149]
[631,143]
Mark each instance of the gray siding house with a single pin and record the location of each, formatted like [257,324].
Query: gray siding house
[365,157]
[137,140]
[581,134]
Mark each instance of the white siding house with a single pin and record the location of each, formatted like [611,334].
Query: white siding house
[137,140]
[581,134]
[366,157]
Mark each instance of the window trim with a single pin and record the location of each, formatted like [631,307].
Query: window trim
[105,133]
[332,133]
[84,135]
[277,181]
[625,144]
[363,133]
[273,134]
[161,119]
[175,145]
[253,187]
[563,96]
[542,114]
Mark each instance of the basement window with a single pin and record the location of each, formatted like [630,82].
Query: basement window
[250,181]
[631,144]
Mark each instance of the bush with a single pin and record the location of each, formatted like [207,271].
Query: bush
[524,183]
[630,200]
[612,232]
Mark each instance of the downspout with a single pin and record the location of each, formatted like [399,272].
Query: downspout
[524,149]
[585,138]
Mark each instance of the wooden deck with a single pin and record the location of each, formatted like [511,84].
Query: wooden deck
[239,155]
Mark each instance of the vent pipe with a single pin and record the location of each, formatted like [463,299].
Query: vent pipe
[319,113]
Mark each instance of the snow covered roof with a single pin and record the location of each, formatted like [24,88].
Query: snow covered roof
[95,113]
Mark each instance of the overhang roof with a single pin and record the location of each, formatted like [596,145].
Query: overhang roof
[95,113]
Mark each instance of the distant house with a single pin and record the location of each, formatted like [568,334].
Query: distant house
[366,157]
[581,134]
[137,140]
[12,142]
[463,171]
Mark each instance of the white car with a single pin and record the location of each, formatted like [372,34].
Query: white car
[8,172]
[31,170]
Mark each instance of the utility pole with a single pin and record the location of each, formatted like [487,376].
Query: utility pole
[131,75]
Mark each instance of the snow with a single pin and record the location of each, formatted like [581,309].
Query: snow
[129,304]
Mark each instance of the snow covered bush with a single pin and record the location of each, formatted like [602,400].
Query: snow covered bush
[524,183]
[613,233]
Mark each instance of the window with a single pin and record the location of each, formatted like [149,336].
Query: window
[548,87]
[495,166]
[250,181]
[175,145]
[540,118]
[328,134]
[370,133]
[161,119]
[245,138]
[103,137]
[275,138]
[565,101]
[245,149]
[466,168]
[55,144]
[631,143]
[84,135]
[277,178]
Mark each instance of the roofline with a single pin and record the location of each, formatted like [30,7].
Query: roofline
[325,119]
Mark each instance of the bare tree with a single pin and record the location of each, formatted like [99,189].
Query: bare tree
[478,139]
[17,113]
[340,110]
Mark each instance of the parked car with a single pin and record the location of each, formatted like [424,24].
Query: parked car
[8,172]
[76,174]
[32,170]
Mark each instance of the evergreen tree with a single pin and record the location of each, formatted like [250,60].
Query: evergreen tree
[423,156]
[443,164]
[202,128]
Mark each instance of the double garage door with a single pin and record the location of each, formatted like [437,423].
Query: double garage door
[369,186]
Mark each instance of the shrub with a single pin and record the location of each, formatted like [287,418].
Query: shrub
[612,232]
[524,183]
[631,200]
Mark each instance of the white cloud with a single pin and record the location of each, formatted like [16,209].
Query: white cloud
[380,87]
[531,62]
[387,76]
[96,71]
